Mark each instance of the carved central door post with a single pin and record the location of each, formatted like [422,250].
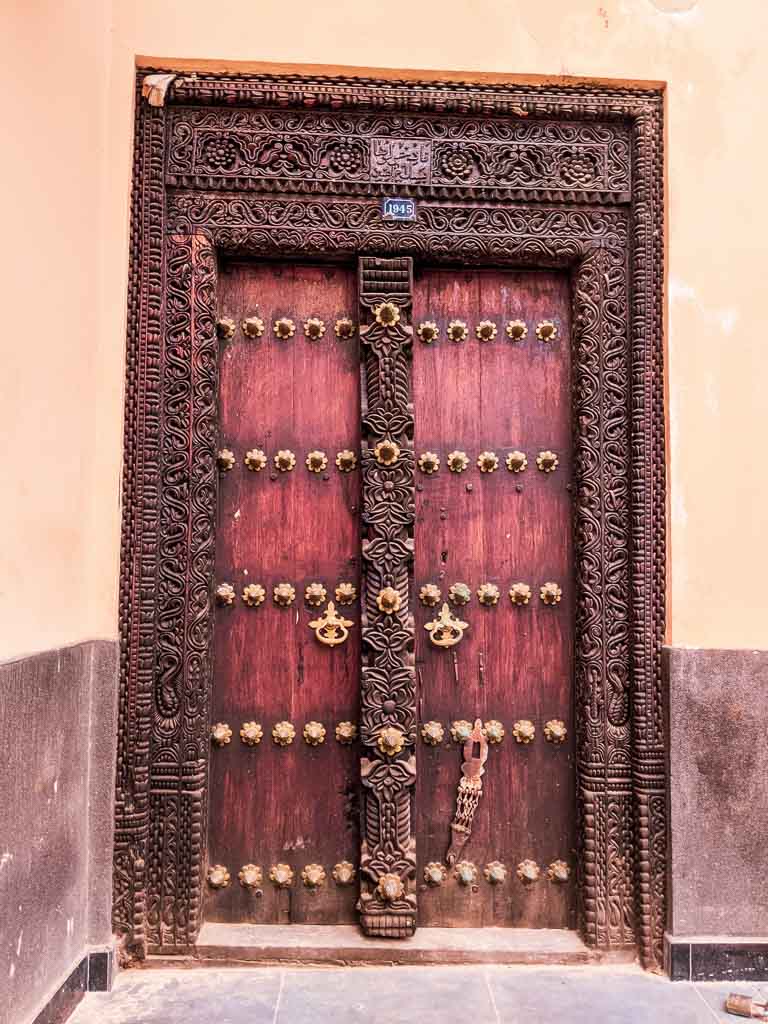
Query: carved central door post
[388,700]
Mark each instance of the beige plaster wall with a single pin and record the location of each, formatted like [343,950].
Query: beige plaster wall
[60,404]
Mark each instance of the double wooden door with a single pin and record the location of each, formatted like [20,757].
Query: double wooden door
[490,592]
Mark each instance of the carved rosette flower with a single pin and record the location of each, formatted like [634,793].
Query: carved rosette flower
[461,730]
[387,453]
[493,731]
[251,733]
[516,330]
[225,328]
[390,887]
[578,169]
[388,601]
[435,873]
[218,876]
[225,594]
[495,873]
[524,731]
[465,872]
[457,461]
[486,330]
[516,461]
[316,461]
[253,327]
[253,595]
[387,314]
[225,460]
[221,734]
[430,595]
[458,331]
[315,594]
[551,594]
[488,594]
[346,593]
[487,462]
[344,328]
[456,162]
[520,593]
[459,594]
[255,460]
[250,876]
[285,460]
[528,871]
[429,463]
[432,733]
[546,331]
[314,328]
[428,331]
[558,872]
[281,875]
[314,734]
[343,873]
[555,731]
[346,733]
[346,157]
[283,734]
[283,594]
[547,461]
[346,460]
[284,328]
[220,153]
[390,741]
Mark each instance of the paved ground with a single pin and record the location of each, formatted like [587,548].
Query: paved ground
[406,995]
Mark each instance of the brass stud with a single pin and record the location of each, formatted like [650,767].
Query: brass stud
[314,328]
[218,876]
[432,733]
[487,462]
[465,872]
[344,328]
[516,462]
[285,460]
[486,330]
[435,873]
[459,593]
[225,460]
[430,595]
[390,887]
[550,593]
[428,331]
[316,461]
[283,594]
[461,730]
[315,594]
[516,330]
[391,741]
[488,594]
[250,876]
[387,453]
[457,330]
[555,731]
[520,593]
[528,871]
[388,601]
[225,328]
[346,593]
[493,731]
[255,460]
[283,734]
[225,594]
[546,331]
[314,734]
[284,328]
[346,460]
[251,733]
[495,872]
[221,734]
[524,731]
[253,595]
[429,463]
[558,871]
[343,873]
[547,461]
[346,733]
[253,327]
[457,461]
[387,314]
[281,875]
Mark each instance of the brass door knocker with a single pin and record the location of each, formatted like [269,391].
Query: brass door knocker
[446,630]
[470,789]
[331,628]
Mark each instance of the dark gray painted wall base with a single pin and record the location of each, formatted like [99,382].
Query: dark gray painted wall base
[714,958]
[94,973]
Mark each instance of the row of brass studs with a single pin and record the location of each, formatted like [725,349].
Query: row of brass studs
[254,327]
[466,873]
[284,594]
[487,462]
[488,594]
[251,876]
[486,330]
[283,733]
[285,460]
[523,730]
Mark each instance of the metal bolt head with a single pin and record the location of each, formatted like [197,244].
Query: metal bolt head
[221,734]
[285,460]
[430,595]
[546,331]
[547,461]
[391,741]
[528,871]
[488,594]
[314,734]
[283,734]
[495,872]
[225,460]
[253,327]
[343,873]
[284,328]
[314,328]
[387,314]
[344,328]
[524,731]
[253,595]
[457,330]
[250,876]
[465,872]
[429,462]
[315,594]
[457,461]
[346,593]
[555,731]
[390,887]
[558,871]
[281,875]
[388,600]
[218,876]
[516,330]
[516,461]
[486,330]
[225,594]
[487,462]
[283,594]
[435,873]
[255,460]
[461,730]
[225,328]
[313,876]
[346,460]
[493,731]
[316,461]
[459,593]
[428,331]
[387,453]
[550,593]
[520,593]
[346,732]
[432,733]
[251,733]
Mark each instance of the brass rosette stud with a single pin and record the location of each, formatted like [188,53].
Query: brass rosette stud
[284,328]
[283,734]
[495,873]
[493,731]
[486,330]
[285,460]
[546,331]
[344,328]
[225,594]
[253,327]
[255,460]
[524,731]
[225,328]
[390,887]
[388,601]
[457,331]
[387,453]
[251,733]
[316,461]
[457,461]
[465,872]
[283,594]
[435,873]
[555,731]
[551,593]
[429,463]
[430,595]
[461,730]
[281,875]
[346,593]
[343,873]
[488,594]
[250,876]
[547,461]
[432,733]
[520,593]
[428,331]
[558,871]
[218,876]
[314,734]
[390,741]
[314,328]
[346,460]
[225,460]
[315,594]
[387,314]
[516,330]
[253,595]
[516,461]
[487,462]
[459,593]
[221,734]
[346,733]
[528,871]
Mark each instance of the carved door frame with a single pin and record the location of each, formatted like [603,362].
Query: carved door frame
[291,165]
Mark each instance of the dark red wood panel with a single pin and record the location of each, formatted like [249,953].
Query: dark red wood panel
[297,804]
[514,663]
